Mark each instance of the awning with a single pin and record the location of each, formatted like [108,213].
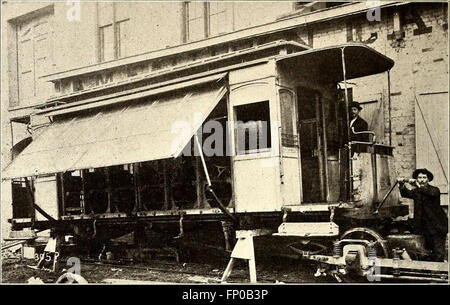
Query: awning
[156,129]
[325,64]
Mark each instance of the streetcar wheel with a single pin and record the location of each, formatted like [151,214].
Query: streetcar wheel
[361,233]
[381,245]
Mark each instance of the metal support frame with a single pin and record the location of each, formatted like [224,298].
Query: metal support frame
[350,167]
[373,159]
[400,268]
[320,147]
[325,149]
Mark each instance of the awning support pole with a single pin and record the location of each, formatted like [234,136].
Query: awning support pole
[200,150]
[221,206]
[350,175]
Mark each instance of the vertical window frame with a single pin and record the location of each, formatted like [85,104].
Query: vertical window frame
[102,42]
[120,45]
[115,23]
[202,17]
[207,19]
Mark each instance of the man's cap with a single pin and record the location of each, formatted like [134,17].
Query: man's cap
[423,171]
[354,104]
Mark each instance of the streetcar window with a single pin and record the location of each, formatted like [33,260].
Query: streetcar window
[253,128]
[288,119]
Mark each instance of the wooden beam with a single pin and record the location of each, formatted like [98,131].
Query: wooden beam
[108,188]
[29,183]
[166,186]
[137,187]
[63,193]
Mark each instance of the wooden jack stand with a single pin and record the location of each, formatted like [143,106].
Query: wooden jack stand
[244,250]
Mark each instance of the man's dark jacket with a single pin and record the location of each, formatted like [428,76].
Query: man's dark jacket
[429,217]
[359,125]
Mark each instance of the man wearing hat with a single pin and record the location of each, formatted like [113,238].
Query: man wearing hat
[357,124]
[429,217]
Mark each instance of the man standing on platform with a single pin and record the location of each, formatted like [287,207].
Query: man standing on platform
[429,217]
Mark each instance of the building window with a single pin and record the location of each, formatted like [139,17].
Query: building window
[253,128]
[196,20]
[106,43]
[32,51]
[113,31]
[122,32]
[207,19]
[218,17]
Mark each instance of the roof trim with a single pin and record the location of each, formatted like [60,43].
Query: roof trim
[128,95]
[152,86]
[176,69]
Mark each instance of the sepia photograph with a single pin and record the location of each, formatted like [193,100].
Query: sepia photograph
[219,143]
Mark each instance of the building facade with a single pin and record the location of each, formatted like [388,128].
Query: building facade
[54,51]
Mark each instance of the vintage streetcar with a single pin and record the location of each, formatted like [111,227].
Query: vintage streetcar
[252,141]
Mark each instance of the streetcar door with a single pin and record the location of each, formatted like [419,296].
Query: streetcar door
[311,145]
[290,155]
